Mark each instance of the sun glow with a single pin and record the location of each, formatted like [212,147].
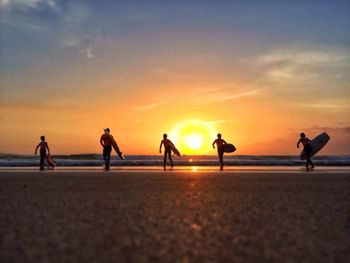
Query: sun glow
[194,141]
[193,136]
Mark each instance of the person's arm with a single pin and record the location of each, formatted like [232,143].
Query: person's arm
[101,142]
[224,141]
[298,143]
[213,144]
[160,147]
[36,149]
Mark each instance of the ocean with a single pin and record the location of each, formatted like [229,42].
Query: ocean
[96,160]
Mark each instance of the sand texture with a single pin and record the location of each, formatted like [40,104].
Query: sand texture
[174,217]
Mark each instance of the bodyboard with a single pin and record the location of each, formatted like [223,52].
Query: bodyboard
[51,162]
[115,146]
[316,145]
[174,150]
[228,148]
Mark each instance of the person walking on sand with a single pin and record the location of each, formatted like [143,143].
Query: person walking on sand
[307,149]
[167,150]
[43,146]
[219,144]
[106,142]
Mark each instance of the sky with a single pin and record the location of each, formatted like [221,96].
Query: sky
[258,72]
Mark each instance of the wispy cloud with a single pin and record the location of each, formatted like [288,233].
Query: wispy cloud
[219,95]
[88,52]
[149,106]
[27,3]
[306,57]
[327,104]
[304,66]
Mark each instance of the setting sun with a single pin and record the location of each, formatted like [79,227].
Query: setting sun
[194,141]
[193,136]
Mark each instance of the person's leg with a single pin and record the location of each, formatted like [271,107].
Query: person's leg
[42,159]
[105,154]
[310,162]
[307,150]
[221,159]
[108,156]
[164,162]
[171,160]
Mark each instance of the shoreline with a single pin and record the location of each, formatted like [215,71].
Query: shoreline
[180,169]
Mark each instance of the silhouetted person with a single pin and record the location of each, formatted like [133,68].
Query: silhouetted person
[167,150]
[307,149]
[219,144]
[43,146]
[106,142]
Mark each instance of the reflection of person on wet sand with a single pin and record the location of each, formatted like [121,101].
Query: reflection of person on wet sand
[106,142]
[219,144]
[43,146]
[307,149]
[167,150]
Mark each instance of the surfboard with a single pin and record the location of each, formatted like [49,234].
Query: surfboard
[229,148]
[51,162]
[316,145]
[174,150]
[115,146]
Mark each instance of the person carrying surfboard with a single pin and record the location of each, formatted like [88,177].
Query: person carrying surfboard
[43,146]
[219,144]
[307,149]
[106,142]
[167,150]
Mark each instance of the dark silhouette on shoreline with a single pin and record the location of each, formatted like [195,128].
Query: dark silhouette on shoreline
[307,148]
[106,143]
[219,144]
[43,146]
[167,150]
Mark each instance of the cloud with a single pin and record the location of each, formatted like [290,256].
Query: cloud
[70,42]
[21,14]
[338,104]
[27,3]
[88,52]
[322,105]
[149,106]
[301,66]
[306,57]
[219,95]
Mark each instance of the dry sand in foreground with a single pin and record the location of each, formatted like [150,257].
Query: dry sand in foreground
[174,217]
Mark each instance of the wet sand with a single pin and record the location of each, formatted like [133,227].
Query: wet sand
[139,216]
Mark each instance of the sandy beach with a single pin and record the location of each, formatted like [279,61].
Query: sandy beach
[175,216]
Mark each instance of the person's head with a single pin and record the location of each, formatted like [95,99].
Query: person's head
[42,138]
[165,136]
[302,135]
[219,135]
[108,130]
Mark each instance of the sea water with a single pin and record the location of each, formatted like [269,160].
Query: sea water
[96,160]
